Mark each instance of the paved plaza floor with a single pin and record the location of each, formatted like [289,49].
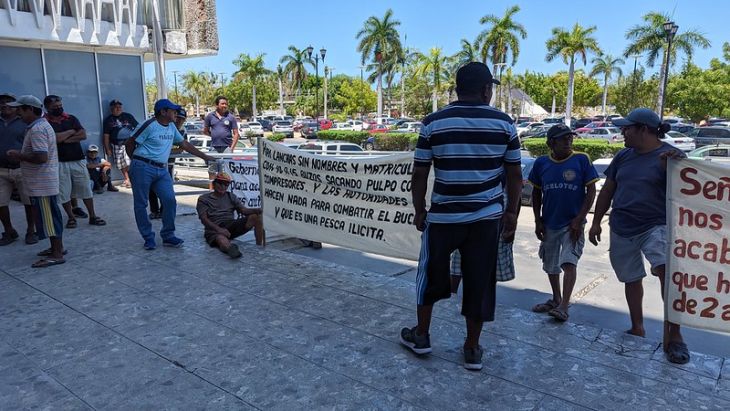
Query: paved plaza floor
[118,327]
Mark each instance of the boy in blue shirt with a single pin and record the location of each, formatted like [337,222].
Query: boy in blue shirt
[564,187]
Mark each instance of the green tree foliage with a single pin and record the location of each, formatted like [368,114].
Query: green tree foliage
[605,65]
[294,67]
[434,67]
[355,96]
[695,93]
[541,87]
[252,70]
[568,45]
[633,91]
[650,39]
[240,94]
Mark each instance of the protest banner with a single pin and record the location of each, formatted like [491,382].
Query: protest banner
[245,185]
[362,203]
[697,286]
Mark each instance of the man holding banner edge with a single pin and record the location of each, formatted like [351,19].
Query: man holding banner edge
[470,145]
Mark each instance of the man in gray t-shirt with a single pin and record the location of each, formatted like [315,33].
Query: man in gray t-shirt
[636,184]
[216,212]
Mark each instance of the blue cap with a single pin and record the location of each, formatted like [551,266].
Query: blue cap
[643,116]
[166,104]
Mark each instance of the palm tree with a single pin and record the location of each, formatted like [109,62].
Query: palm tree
[198,84]
[251,68]
[469,52]
[294,66]
[501,38]
[650,39]
[379,42]
[436,66]
[567,44]
[606,65]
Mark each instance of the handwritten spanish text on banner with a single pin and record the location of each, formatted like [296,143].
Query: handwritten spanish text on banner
[698,219]
[362,203]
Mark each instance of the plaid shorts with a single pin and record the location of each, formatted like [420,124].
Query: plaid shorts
[505,262]
[121,159]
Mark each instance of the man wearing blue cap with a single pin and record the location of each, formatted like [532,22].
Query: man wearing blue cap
[564,187]
[150,147]
[635,187]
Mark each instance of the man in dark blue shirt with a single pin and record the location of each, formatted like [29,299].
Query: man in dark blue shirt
[12,131]
[221,126]
[564,187]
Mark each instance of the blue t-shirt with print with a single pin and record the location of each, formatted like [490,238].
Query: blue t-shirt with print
[154,141]
[640,197]
[563,185]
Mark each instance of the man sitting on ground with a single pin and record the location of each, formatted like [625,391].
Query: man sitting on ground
[216,212]
[99,170]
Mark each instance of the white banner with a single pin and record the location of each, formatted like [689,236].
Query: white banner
[245,174]
[362,203]
[698,273]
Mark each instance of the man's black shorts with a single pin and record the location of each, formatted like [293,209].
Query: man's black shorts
[236,227]
[477,242]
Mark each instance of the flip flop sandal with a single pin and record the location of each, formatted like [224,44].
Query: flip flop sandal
[97,221]
[47,262]
[559,315]
[233,251]
[47,252]
[544,307]
[72,223]
[677,352]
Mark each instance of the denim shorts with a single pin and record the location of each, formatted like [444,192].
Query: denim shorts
[558,249]
[626,253]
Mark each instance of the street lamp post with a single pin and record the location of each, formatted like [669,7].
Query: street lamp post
[670,29]
[177,96]
[322,53]
[326,72]
[379,59]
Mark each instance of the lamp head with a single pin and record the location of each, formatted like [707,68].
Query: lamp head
[309,49]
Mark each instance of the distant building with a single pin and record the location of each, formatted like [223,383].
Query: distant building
[92,51]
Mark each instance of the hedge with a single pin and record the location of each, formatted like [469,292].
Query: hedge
[594,148]
[343,135]
[276,137]
[395,141]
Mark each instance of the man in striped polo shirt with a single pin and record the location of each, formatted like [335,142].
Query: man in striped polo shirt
[470,146]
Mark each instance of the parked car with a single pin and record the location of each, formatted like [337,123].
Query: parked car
[719,151]
[526,126]
[705,136]
[582,122]
[537,131]
[357,125]
[265,124]
[342,127]
[682,127]
[679,140]
[193,128]
[610,134]
[331,148]
[408,127]
[600,165]
[256,128]
[526,164]
[283,127]
[325,124]
[594,124]
[402,120]
[309,129]
[369,143]
[202,143]
[378,128]
[552,120]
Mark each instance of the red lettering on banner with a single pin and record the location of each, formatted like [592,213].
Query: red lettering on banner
[711,190]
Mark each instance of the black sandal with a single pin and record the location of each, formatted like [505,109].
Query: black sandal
[72,223]
[677,352]
[97,221]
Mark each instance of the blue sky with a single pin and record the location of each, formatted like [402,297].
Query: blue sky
[271,26]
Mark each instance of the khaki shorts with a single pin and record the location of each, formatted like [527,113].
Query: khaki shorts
[73,181]
[9,178]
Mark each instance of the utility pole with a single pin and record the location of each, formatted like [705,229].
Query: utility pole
[177,95]
[326,71]
[159,50]
[223,81]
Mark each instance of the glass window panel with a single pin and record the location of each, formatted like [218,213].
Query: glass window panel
[120,78]
[25,75]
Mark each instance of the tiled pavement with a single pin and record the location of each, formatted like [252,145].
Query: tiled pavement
[117,327]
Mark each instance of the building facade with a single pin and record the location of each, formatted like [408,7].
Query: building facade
[90,52]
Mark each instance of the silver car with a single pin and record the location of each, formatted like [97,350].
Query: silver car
[610,134]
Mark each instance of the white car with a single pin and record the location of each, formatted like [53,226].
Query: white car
[342,126]
[610,134]
[357,125]
[332,148]
[256,128]
[202,143]
[679,140]
[526,126]
[409,127]
[284,127]
[600,165]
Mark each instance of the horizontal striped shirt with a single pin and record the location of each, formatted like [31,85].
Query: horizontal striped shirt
[468,145]
[40,180]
